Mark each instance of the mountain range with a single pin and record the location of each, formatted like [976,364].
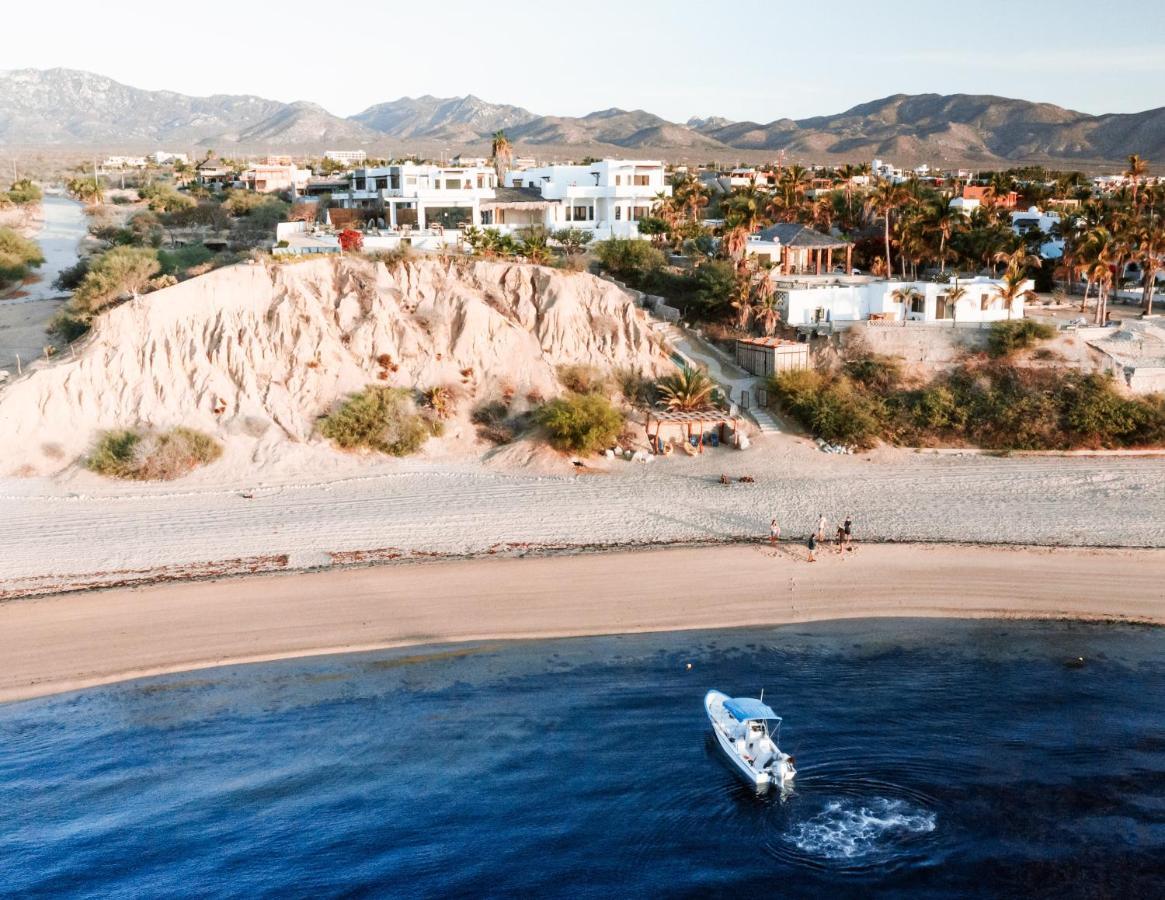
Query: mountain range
[69,108]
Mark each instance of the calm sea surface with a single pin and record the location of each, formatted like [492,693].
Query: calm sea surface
[937,758]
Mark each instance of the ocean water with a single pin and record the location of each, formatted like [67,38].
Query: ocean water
[935,758]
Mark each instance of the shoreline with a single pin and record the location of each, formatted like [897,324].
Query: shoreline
[64,642]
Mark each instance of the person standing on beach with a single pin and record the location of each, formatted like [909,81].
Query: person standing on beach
[812,547]
[821,528]
[848,527]
[840,539]
[774,533]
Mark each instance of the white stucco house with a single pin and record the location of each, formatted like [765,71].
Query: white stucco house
[1035,219]
[841,301]
[608,197]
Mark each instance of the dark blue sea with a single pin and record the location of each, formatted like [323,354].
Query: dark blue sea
[936,759]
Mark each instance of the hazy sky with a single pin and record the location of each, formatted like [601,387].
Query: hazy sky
[743,60]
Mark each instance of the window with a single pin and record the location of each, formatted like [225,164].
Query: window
[359,184]
[411,180]
[618,213]
[382,183]
[618,180]
[642,180]
[918,305]
[453,184]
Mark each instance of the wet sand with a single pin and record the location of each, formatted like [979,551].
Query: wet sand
[65,642]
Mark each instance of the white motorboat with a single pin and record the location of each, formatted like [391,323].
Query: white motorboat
[748,731]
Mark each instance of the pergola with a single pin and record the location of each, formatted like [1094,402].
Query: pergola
[687,419]
[803,248]
[527,200]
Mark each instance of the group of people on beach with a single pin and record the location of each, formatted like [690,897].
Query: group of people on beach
[843,539]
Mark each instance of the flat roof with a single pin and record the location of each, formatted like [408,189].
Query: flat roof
[771,342]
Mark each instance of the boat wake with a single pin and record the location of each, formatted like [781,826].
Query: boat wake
[853,831]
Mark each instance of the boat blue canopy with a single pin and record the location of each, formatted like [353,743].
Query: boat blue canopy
[744,708]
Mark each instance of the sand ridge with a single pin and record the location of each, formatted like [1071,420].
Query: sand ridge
[61,643]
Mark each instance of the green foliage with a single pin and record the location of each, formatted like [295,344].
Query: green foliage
[581,423]
[378,418]
[1010,337]
[115,272]
[182,259]
[68,325]
[713,285]
[68,279]
[834,408]
[18,256]
[686,390]
[629,258]
[879,373]
[573,240]
[143,455]
[24,191]
[164,197]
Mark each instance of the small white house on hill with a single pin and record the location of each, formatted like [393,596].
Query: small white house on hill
[814,302]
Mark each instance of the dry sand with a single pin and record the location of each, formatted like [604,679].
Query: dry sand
[62,643]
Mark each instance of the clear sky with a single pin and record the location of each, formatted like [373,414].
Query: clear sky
[742,60]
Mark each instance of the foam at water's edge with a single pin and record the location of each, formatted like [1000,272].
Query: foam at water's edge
[850,830]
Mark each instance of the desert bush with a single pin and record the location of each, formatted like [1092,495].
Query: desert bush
[441,400]
[180,260]
[629,257]
[163,197]
[378,418]
[144,455]
[18,255]
[637,389]
[833,408]
[119,271]
[581,423]
[875,371]
[24,191]
[69,279]
[68,325]
[582,379]
[1006,338]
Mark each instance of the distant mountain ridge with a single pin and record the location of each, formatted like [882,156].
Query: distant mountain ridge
[67,107]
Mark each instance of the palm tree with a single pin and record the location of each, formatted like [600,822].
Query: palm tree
[503,153]
[765,306]
[885,198]
[1012,289]
[954,294]
[1137,168]
[1018,259]
[744,207]
[735,242]
[906,296]
[946,222]
[688,390]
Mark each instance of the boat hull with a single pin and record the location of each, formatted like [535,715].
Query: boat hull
[713,703]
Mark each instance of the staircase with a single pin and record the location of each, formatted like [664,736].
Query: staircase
[732,379]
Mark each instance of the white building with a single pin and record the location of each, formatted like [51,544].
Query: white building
[607,197]
[813,302]
[347,157]
[1036,219]
[124,162]
[965,205]
[166,158]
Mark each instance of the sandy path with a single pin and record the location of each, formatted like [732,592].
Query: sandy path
[61,643]
[71,533]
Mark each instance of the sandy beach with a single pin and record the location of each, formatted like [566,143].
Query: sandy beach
[61,643]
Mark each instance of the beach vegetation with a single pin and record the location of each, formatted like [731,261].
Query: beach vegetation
[581,423]
[583,379]
[990,404]
[379,418]
[629,258]
[24,192]
[140,454]
[18,257]
[112,275]
[1013,335]
[687,390]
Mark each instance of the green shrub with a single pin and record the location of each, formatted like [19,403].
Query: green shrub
[18,256]
[121,270]
[1006,338]
[834,409]
[69,279]
[378,418]
[24,191]
[581,423]
[164,198]
[629,257]
[178,261]
[875,371]
[68,325]
[143,455]
[1096,414]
